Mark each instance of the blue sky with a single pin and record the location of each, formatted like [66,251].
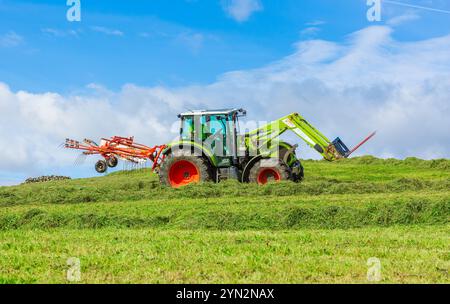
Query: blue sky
[175,42]
[138,63]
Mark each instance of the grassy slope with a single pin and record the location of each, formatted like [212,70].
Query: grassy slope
[126,228]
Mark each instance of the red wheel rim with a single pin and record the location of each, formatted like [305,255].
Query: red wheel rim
[268,174]
[182,173]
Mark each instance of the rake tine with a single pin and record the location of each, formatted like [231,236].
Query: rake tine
[135,154]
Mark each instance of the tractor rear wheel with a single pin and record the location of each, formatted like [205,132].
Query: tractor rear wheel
[178,171]
[268,170]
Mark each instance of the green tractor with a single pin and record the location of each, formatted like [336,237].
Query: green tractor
[210,148]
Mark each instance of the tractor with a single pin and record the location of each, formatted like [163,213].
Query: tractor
[210,148]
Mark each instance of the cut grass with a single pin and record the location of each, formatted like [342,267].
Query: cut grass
[125,227]
[407,255]
[275,213]
[343,177]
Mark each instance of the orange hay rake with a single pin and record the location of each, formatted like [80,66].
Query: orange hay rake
[116,148]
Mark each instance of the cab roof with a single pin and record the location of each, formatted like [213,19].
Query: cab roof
[212,112]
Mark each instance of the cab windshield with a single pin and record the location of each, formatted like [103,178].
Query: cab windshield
[214,125]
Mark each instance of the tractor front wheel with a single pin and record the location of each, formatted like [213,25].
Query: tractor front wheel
[269,170]
[178,171]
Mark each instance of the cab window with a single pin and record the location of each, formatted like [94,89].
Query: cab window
[214,125]
[187,128]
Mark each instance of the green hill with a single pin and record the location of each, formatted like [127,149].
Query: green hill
[125,227]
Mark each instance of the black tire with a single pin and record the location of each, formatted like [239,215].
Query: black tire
[112,162]
[302,172]
[167,176]
[298,172]
[101,166]
[264,169]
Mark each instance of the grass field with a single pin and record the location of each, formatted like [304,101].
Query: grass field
[125,227]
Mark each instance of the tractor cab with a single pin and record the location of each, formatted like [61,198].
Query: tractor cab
[215,130]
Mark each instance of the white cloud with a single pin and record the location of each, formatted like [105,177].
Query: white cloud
[193,41]
[241,10]
[316,23]
[10,39]
[310,31]
[59,33]
[107,31]
[34,125]
[401,19]
[369,82]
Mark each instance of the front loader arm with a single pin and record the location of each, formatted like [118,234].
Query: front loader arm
[297,124]
[313,137]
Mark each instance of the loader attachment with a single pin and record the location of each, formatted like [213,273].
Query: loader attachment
[341,149]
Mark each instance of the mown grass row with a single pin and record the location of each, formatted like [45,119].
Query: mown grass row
[134,190]
[346,177]
[442,164]
[275,215]
[353,193]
